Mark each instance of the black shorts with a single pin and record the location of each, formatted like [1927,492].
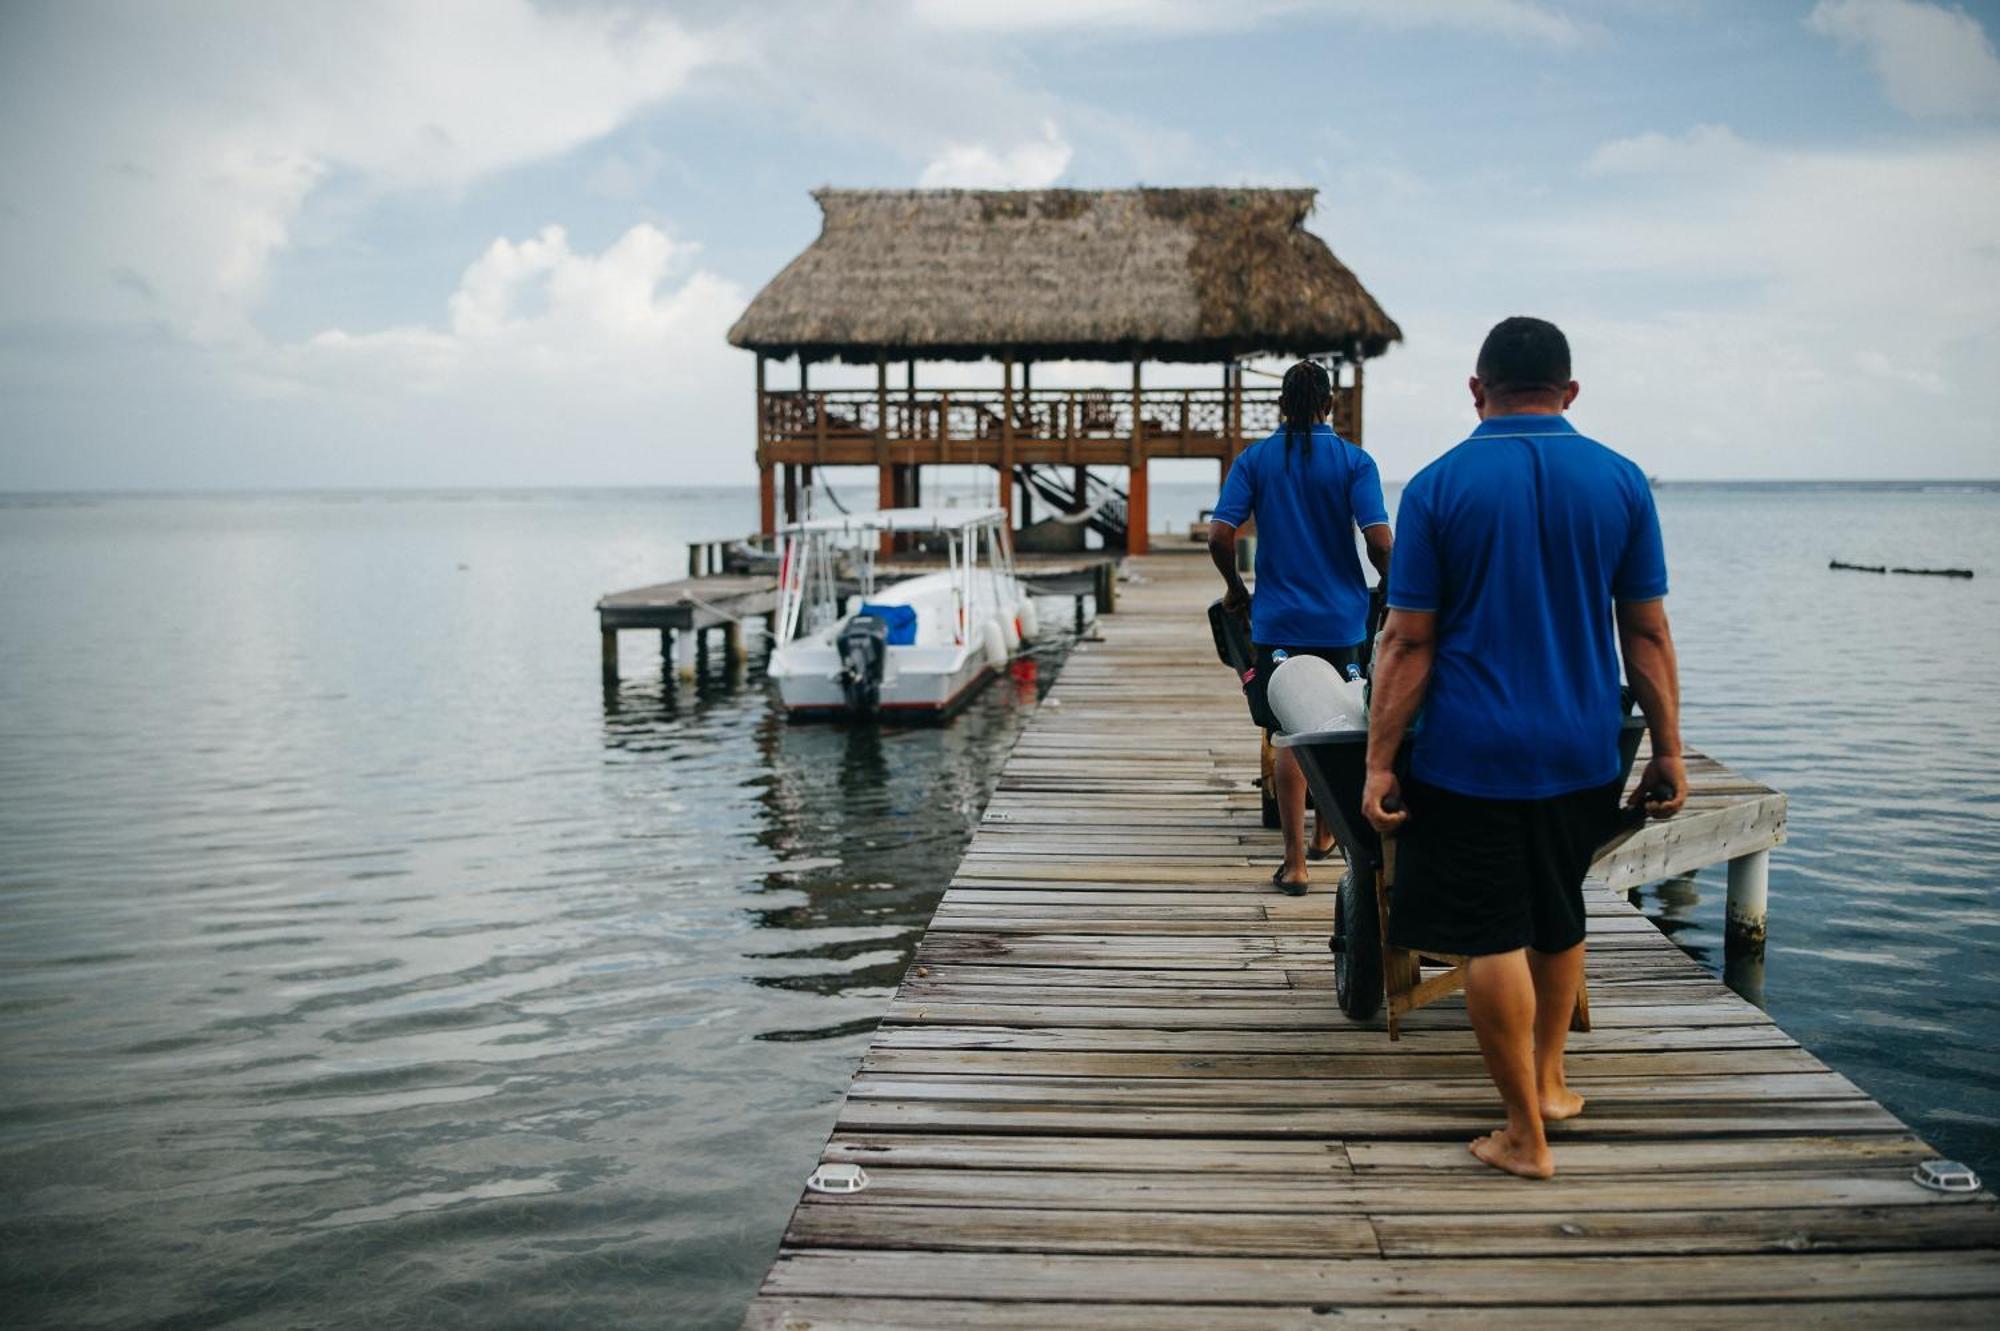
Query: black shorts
[1477,876]
[1266,659]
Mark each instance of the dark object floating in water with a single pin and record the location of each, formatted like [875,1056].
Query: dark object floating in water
[1914,572]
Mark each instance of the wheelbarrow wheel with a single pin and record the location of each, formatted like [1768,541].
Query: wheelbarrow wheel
[1357,953]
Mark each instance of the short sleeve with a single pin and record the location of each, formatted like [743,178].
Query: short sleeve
[1364,493]
[1641,574]
[1414,577]
[1239,492]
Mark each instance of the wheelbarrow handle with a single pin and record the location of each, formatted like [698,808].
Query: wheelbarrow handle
[1635,817]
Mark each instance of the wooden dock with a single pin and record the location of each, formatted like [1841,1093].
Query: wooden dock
[711,599]
[1114,1090]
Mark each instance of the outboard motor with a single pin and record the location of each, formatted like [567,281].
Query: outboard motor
[864,652]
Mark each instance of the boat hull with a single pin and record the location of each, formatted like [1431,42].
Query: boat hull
[909,693]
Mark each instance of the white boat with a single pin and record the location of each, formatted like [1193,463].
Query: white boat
[919,647]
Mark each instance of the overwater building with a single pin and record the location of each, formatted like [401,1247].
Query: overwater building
[1021,277]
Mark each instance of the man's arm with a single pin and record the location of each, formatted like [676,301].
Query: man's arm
[1403,659]
[1222,549]
[1378,540]
[1654,674]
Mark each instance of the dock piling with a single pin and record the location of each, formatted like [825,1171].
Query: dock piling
[608,639]
[1749,885]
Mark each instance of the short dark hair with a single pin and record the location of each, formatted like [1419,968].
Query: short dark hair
[1522,354]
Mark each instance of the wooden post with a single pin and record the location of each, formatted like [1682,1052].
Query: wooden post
[1236,412]
[732,649]
[1136,516]
[1749,888]
[1354,411]
[791,493]
[608,654]
[1227,425]
[700,653]
[1006,495]
[767,507]
[885,482]
[944,426]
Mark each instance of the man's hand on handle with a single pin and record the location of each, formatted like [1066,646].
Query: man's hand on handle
[1382,802]
[1236,599]
[1665,771]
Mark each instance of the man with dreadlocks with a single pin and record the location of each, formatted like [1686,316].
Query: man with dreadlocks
[1308,489]
[1529,561]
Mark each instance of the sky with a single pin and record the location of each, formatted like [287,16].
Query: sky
[499,243]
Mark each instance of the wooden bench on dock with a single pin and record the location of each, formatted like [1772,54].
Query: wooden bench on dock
[1113,1089]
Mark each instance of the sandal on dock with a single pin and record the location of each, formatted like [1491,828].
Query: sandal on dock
[1289,889]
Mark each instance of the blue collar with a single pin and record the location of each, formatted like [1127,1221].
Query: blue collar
[1518,426]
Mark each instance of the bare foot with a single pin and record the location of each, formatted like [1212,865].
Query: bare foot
[1560,1103]
[1499,1151]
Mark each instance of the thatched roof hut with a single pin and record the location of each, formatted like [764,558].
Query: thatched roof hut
[1153,274]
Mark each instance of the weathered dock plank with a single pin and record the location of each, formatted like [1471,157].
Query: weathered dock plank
[1114,1090]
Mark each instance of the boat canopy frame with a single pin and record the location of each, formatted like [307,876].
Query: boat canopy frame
[810,576]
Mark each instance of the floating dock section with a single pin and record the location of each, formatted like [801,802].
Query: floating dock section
[1114,1089]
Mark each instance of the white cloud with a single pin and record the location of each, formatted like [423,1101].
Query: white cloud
[1737,308]
[1521,20]
[535,324]
[1030,164]
[158,162]
[1703,149]
[1932,60]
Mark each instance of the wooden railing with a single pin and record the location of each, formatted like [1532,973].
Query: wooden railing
[1042,414]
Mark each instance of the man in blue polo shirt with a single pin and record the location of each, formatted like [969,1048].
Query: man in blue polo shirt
[1309,490]
[1526,558]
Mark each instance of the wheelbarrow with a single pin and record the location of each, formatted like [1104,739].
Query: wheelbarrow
[1367,971]
[1233,649]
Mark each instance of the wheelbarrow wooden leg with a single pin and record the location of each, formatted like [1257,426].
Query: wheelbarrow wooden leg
[1401,972]
[1404,988]
[1579,1020]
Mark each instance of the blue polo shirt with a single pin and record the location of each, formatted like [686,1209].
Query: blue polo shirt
[1310,589]
[1520,539]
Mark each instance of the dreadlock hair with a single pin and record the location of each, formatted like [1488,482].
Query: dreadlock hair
[1304,398]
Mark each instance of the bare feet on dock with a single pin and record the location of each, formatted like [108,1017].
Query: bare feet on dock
[1499,1150]
[1560,1103]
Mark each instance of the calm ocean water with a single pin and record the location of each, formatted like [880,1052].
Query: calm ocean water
[362,961]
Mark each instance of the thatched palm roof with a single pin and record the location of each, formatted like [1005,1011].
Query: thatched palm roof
[1165,274]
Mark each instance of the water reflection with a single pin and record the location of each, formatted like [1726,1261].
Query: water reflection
[860,822]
